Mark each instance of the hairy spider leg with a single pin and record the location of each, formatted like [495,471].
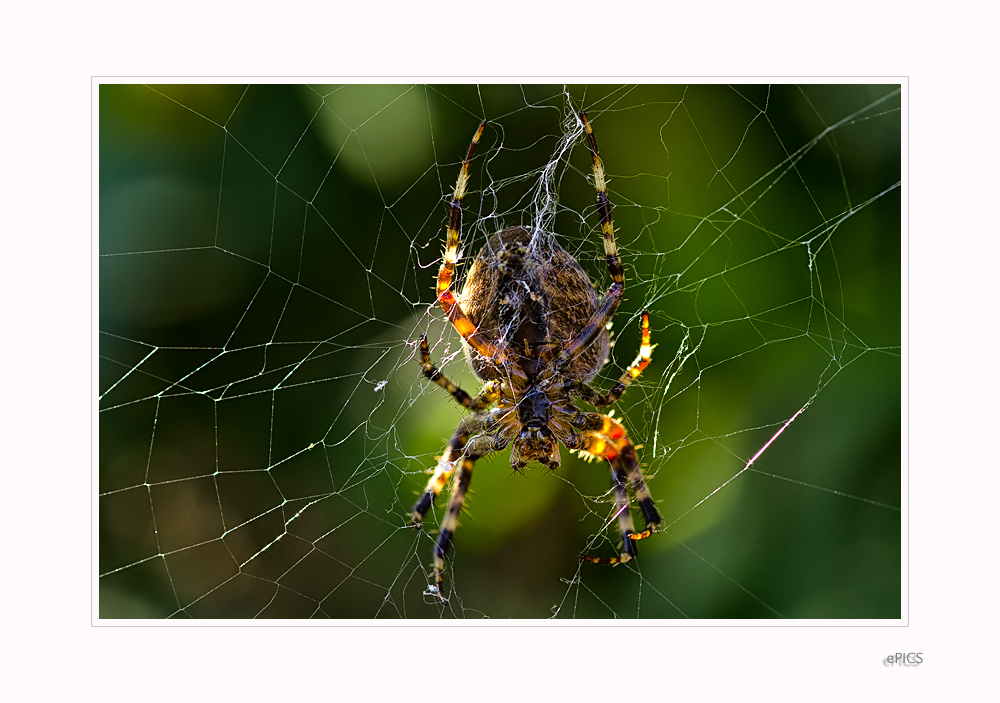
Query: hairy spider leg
[450,522]
[442,472]
[446,464]
[463,453]
[615,267]
[487,395]
[611,442]
[445,297]
[460,448]
[601,400]
[613,296]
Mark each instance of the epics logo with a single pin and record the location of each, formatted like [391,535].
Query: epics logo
[908,659]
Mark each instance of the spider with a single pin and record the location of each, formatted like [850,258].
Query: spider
[535,331]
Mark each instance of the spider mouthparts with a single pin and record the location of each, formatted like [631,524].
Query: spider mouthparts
[535,444]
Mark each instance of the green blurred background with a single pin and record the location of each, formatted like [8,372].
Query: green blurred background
[267,261]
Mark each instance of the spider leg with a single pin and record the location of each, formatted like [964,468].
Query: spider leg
[604,205]
[446,298]
[612,443]
[489,393]
[450,522]
[625,524]
[461,453]
[601,400]
[613,296]
[446,466]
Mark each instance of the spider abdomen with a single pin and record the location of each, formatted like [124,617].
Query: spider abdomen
[527,294]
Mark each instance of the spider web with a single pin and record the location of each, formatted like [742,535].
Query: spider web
[267,261]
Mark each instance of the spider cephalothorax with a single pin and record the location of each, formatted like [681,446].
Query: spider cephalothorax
[535,330]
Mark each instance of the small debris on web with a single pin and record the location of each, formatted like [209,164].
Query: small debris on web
[432,590]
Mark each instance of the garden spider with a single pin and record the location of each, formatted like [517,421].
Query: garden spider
[536,332]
